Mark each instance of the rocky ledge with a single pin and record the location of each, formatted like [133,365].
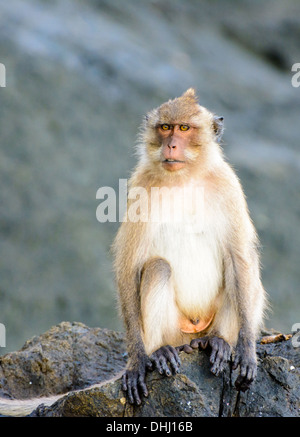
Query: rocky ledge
[71,357]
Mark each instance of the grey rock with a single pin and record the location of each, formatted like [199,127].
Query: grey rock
[67,357]
[80,77]
[88,363]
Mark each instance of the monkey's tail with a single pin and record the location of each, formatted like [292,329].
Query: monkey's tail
[20,408]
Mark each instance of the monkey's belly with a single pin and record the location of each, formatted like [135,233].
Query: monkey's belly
[196,264]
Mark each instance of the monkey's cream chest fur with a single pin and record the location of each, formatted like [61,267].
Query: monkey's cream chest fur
[190,246]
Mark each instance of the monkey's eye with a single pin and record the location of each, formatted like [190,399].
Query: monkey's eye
[165,126]
[184,127]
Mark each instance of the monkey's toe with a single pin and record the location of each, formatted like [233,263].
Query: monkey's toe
[220,354]
[185,348]
[220,351]
[163,356]
[200,343]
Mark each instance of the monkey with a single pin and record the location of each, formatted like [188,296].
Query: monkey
[190,283]
[181,289]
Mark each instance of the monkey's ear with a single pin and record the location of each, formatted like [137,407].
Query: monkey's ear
[218,127]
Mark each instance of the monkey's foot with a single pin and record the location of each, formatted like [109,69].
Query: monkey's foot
[220,351]
[248,369]
[133,380]
[162,356]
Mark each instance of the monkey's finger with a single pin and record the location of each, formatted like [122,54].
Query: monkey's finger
[124,382]
[242,384]
[236,362]
[249,376]
[251,373]
[142,385]
[243,370]
[199,343]
[239,382]
[246,376]
[133,390]
[130,392]
[136,396]
[216,369]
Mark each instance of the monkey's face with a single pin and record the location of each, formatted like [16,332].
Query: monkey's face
[174,140]
[179,136]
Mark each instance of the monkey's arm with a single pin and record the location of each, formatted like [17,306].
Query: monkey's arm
[245,351]
[242,282]
[126,252]
[138,363]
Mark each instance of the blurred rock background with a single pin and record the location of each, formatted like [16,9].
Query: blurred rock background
[79,77]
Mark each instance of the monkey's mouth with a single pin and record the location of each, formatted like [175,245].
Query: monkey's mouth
[173,164]
[171,161]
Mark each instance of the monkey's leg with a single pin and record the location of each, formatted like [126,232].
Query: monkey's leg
[222,335]
[160,315]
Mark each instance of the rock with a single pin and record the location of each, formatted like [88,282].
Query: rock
[88,362]
[67,357]
[80,77]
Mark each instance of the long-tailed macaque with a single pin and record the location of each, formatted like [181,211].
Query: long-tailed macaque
[185,280]
[194,282]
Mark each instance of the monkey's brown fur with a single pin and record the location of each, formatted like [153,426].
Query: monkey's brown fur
[166,275]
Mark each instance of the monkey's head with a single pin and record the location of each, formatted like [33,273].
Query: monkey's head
[180,135]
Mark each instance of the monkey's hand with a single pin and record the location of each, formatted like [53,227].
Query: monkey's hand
[245,357]
[162,356]
[220,351]
[133,380]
